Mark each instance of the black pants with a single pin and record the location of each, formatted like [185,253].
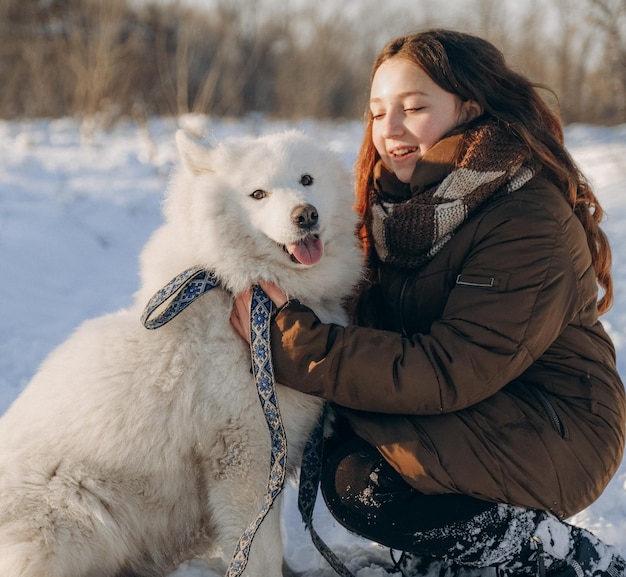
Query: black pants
[368,497]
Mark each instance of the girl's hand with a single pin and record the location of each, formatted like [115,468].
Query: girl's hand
[240,315]
[279,298]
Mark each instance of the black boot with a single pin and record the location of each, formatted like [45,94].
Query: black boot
[539,544]
[488,539]
[574,552]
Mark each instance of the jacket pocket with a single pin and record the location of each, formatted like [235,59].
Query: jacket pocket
[483,279]
[557,424]
[475,280]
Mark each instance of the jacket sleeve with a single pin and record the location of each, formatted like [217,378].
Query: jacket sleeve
[485,338]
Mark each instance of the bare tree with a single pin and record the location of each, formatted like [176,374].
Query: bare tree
[100,45]
[109,58]
[608,17]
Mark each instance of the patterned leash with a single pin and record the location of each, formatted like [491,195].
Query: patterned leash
[190,285]
[310,473]
[264,377]
[187,287]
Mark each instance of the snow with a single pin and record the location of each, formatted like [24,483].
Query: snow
[76,208]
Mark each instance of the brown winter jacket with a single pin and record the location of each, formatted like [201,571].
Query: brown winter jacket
[492,375]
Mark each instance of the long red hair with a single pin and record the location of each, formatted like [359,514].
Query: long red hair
[474,69]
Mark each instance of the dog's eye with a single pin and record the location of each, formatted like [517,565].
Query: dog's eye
[306,180]
[258,194]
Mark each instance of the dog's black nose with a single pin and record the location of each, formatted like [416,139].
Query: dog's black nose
[305,216]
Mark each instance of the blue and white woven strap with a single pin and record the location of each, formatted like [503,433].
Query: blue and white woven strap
[263,370]
[189,285]
[310,473]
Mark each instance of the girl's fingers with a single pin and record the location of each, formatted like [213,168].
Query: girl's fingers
[279,298]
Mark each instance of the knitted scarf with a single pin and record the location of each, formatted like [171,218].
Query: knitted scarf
[455,178]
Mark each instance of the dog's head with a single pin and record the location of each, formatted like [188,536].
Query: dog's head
[277,207]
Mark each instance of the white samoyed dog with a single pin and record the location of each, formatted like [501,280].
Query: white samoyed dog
[133,450]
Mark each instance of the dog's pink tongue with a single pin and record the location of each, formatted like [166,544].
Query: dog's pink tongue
[309,251]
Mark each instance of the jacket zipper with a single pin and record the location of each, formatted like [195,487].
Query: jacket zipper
[554,417]
[401,306]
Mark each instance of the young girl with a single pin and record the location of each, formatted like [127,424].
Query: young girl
[476,391]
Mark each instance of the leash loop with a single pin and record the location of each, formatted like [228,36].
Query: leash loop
[189,284]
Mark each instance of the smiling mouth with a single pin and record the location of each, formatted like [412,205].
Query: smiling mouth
[400,152]
[306,251]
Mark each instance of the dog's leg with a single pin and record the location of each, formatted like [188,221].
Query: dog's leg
[266,553]
[56,525]
[234,505]
[35,559]
[64,553]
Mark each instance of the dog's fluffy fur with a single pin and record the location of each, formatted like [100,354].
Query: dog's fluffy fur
[132,450]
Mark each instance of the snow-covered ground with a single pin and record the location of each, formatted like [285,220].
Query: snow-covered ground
[76,209]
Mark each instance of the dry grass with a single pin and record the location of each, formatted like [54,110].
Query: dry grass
[106,59]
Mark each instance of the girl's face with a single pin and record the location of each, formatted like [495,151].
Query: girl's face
[411,113]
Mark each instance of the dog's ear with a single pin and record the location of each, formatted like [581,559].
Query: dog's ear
[193,153]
